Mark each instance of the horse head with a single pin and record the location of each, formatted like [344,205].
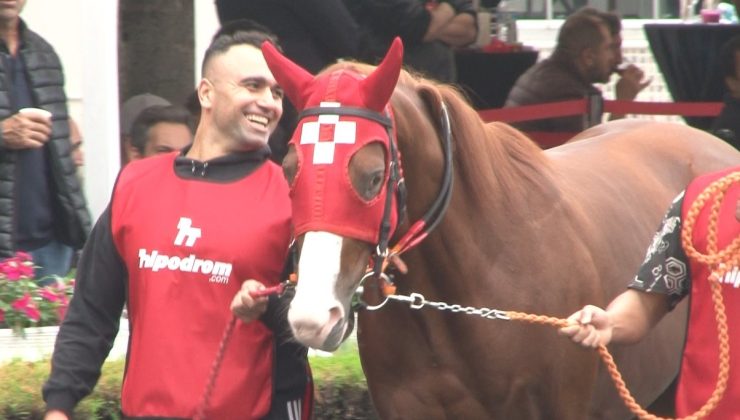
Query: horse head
[346,186]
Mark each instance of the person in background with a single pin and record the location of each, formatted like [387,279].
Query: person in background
[186,243]
[75,139]
[588,51]
[727,124]
[131,109]
[430,31]
[42,207]
[78,155]
[160,129]
[670,273]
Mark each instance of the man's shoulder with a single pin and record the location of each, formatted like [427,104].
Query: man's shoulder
[546,81]
[137,170]
[32,41]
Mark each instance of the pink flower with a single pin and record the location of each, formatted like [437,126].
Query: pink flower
[28,307]
[50,295]
[2,315]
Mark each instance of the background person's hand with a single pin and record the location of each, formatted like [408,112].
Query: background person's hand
[26,131]
[55,415]
[246,307]
[631,82]
[589,327]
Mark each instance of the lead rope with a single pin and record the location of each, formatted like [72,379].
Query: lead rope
[719,262]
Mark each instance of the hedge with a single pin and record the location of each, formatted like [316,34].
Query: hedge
[341,392]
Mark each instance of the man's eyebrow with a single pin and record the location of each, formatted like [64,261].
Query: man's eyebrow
[258,79]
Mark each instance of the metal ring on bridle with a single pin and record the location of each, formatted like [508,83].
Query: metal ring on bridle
[361,304]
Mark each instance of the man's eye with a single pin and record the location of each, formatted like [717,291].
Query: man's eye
[278,93]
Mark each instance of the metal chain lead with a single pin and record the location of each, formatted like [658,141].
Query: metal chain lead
[417,301]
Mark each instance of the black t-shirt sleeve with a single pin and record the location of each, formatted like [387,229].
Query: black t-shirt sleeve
[92,320]
[665,269]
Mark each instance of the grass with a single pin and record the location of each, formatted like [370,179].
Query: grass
[334,377]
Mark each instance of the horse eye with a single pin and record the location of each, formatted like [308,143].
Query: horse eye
[374,185]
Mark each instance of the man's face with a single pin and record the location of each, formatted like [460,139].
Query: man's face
[10,9]
[603,59]
[166,137]
[245,103]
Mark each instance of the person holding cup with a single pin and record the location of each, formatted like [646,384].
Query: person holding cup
[42,208]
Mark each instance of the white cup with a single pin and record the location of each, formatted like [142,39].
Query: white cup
[36,111]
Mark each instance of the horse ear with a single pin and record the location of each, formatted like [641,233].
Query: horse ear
[290,76]
[378,86]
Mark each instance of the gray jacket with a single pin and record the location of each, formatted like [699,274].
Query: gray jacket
[46,79]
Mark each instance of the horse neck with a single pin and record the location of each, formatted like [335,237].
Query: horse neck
[502,185]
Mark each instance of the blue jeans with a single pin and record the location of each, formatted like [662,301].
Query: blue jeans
[52,259]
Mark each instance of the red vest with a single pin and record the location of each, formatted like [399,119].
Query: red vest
[188,245]
[699,367]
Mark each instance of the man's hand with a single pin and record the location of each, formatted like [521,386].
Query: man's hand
[631,82]
[246,307]
[55,415]
[26,131]
[590,327]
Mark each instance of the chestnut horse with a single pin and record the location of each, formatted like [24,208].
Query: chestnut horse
[527,230]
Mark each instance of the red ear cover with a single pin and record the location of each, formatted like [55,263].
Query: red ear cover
[378,86]
[293,78]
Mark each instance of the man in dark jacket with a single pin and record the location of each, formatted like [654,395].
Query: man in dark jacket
[42,207]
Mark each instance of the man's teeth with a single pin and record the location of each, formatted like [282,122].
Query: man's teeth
[258,119]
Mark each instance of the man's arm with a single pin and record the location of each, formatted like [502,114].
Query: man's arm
[631,315]
[631,81]
[460,31]
[91,323]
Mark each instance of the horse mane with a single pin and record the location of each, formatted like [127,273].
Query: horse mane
[494,161]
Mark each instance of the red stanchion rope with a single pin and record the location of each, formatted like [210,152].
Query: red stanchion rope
[580,107]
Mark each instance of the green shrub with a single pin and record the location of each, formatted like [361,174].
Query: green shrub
[340,388]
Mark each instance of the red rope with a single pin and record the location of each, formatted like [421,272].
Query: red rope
[200,412]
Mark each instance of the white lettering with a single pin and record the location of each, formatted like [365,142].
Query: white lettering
[190,264]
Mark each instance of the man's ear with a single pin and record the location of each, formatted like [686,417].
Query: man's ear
[132,153]
[733,85]
[205,93]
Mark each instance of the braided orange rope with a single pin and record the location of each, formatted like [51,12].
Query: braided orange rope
[719,263]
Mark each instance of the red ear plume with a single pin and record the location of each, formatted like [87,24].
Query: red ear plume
[379,85]
[289,75]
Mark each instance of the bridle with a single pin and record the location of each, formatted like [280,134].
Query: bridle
[417,232]
[383,254]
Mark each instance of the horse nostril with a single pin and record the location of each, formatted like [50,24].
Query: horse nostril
[335,315]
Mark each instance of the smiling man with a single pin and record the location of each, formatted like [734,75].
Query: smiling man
[186,240]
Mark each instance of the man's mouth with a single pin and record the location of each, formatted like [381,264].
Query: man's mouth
[258,119]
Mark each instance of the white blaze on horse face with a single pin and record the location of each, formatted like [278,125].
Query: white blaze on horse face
[315,313]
